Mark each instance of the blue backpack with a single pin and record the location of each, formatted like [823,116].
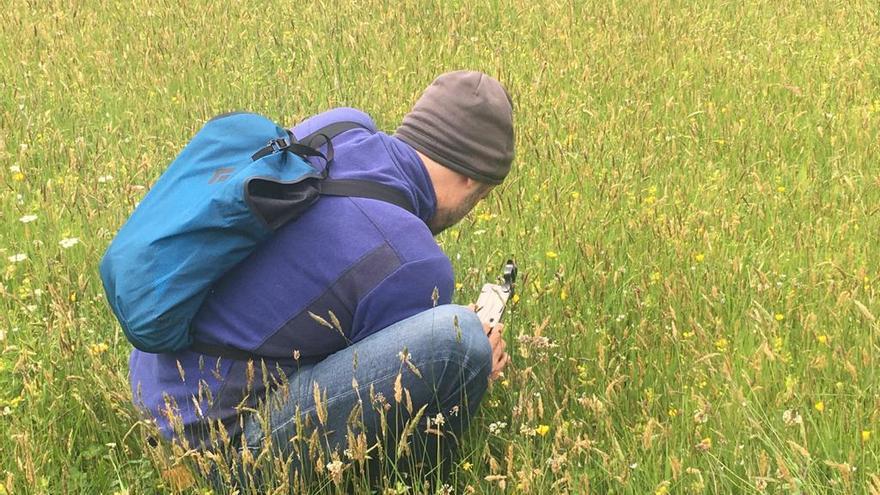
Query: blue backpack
[224,194]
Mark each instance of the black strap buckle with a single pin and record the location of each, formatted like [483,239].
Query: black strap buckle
[278,144]
[275,145]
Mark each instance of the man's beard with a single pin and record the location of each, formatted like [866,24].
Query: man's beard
[443,219]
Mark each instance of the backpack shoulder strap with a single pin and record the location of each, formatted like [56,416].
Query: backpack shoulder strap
[330,131]
[366,189]
[354,187]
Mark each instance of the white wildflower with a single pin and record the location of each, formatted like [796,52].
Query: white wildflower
[791,418]
[496,427]
[17,258]
[69,242]
[105,178]
[701,416]
[27,218]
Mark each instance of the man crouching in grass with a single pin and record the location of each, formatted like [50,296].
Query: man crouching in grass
[380,373]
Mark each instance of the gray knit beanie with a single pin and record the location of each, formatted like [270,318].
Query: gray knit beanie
[463,121]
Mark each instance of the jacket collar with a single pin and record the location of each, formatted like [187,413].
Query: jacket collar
[412,170]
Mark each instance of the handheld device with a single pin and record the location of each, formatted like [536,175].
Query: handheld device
[493,297]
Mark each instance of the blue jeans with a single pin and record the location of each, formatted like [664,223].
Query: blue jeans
[436,362]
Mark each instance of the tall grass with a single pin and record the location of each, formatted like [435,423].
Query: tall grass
[694,209]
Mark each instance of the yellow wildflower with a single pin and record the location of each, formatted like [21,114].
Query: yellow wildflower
[583,372]
[820,406]
[704,445]
[466,466]
[542,430]
[780,189]
[866,435]
[18,177]
[662,488]
[779,316]
[98,349]
[563,295]
[823,339]
[515,298]
[778,343]
[575,195]
[552,254]
[700,257]
[721,344]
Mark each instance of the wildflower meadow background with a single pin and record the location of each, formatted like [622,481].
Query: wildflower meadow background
[693,207]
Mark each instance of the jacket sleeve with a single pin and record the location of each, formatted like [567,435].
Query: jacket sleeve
[405,292]
[342,114]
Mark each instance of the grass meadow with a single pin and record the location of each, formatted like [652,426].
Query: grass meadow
[693,208]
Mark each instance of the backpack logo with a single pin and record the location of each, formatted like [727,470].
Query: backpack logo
[221,174]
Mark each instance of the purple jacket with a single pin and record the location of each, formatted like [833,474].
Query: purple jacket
[371,263]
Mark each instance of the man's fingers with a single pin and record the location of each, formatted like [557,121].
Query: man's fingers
[496,331]
[487,329]
[495,340]
[499,356]
[499,362]
[493,329]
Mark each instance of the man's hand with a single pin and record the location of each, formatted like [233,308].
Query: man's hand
[499,356]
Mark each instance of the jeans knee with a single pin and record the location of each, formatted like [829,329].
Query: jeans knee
[464,340]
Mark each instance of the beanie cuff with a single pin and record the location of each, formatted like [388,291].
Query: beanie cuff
[421,142]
